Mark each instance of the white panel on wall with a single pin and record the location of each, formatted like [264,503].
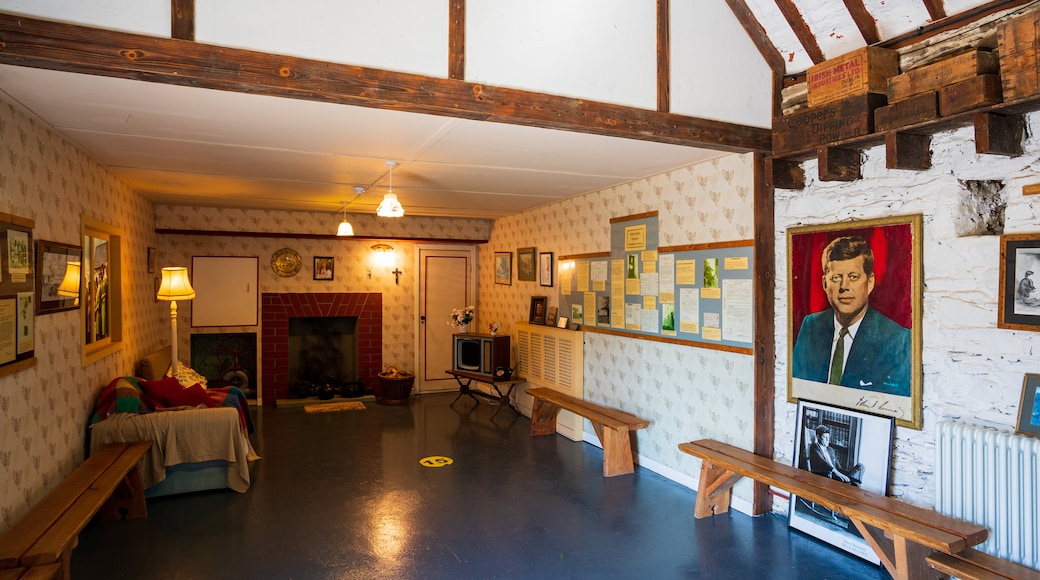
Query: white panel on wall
[605,50]
[402,35]
[703,79]
[139,16]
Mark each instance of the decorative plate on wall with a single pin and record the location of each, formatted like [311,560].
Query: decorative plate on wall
[286,262]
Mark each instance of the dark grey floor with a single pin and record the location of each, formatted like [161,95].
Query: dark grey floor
[343,495]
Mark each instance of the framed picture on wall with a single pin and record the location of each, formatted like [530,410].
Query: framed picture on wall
[503,268]
[324,268]
[57,277]
[857,286]
[550,319]
[1019,298]
[545,269]
[847,446]
[1029,407]
[525,267]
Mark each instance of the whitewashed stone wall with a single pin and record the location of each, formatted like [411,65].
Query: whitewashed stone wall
[973,371]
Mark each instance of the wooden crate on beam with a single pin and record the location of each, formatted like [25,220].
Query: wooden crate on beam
[859,72]
[935,76]
[830,123]
[916,109]
[971,94]
[1018,40]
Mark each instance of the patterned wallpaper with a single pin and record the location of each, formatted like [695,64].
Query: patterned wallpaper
[44,410]
[686,392]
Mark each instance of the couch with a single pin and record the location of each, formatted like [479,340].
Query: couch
[200,436]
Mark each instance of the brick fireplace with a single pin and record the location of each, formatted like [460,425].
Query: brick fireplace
[278,308]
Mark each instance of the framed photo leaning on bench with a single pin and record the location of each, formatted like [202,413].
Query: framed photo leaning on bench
[847,446]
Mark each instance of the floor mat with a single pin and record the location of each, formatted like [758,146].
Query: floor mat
[331,407]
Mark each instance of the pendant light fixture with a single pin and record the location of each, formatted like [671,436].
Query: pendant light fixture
[390,207]
[345,229]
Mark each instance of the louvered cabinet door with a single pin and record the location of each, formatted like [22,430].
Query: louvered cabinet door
[554,358]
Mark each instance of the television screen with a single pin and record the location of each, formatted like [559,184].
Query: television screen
[468,354]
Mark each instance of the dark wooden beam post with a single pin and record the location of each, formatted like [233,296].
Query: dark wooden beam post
[786,174]
[664,57]
[838,164]
[999,134]
[765,323]
[457,39]
[182,19]
[907,151]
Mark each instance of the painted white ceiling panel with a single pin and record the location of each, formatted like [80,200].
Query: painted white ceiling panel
[402,35]
[603,50]
[780,33]
[833,27]
[150,17]
[895,18]
[703,80]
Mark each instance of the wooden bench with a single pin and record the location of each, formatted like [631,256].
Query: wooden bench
[107,484]
[612,426]
[902,535]
[972,564]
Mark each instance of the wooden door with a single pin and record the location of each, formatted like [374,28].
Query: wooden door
[447,280]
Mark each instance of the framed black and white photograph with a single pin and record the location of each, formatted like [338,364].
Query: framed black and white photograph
[504,268]
[324,268]
[550,319]
[1029,407]
[525,267]
[539,307]
[847,446]
[1018,305]
[545,269]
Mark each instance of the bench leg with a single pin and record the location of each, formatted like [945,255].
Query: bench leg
[127,501]
[714,490]
[904,560]
[543,418]
[617,450]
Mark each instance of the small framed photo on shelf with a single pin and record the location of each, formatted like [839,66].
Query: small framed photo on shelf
[545,269]
[539,306]
[562,322]
[504,268]
[1029,407]
[525,268]
[550,320]
[1018,305]
[324,268]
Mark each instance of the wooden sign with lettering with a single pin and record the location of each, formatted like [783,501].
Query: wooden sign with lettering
[861,71]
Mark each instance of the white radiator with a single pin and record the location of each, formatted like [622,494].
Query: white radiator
[992,478]
[554,358]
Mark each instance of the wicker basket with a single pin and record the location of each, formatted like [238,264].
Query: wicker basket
[395,390]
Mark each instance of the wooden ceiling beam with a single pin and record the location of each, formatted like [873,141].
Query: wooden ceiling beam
[936,10]
[79,49]
[801,30]
[457,39]
[664,57]
[864,21]
[182,20]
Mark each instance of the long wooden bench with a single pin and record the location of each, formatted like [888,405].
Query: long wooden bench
[972,564]
[902,535]
[613,427]
[107,484]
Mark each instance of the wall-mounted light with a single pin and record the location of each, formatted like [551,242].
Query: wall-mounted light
[385,257]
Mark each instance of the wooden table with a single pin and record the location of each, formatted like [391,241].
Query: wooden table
[503,399]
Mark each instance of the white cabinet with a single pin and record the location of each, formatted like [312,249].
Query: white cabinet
[554,358]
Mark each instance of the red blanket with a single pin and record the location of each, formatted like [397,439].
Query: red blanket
[133,395]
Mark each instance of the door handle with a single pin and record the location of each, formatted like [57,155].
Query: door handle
[422,319]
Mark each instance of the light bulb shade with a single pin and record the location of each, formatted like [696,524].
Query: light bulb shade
[345,229]
[390,207]
[69,286]
[175,285]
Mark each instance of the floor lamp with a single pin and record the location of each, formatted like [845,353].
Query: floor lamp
[175,286]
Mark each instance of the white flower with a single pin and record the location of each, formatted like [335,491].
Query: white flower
[458,317]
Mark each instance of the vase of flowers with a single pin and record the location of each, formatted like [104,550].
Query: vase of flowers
[461,317]
[493,328]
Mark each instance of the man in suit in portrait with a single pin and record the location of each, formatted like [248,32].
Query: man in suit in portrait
[852,344]
[824,461]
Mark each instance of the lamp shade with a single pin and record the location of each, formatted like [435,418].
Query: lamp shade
[175,285]
[390,207]
[345,229]
[69,286]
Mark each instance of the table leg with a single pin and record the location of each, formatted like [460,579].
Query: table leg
[464,390]
[503,400]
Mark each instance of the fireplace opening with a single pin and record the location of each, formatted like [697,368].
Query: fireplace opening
[323,357]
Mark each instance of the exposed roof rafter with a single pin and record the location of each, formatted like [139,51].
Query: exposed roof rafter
[801,29]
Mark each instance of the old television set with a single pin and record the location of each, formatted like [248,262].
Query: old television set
[480,354]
